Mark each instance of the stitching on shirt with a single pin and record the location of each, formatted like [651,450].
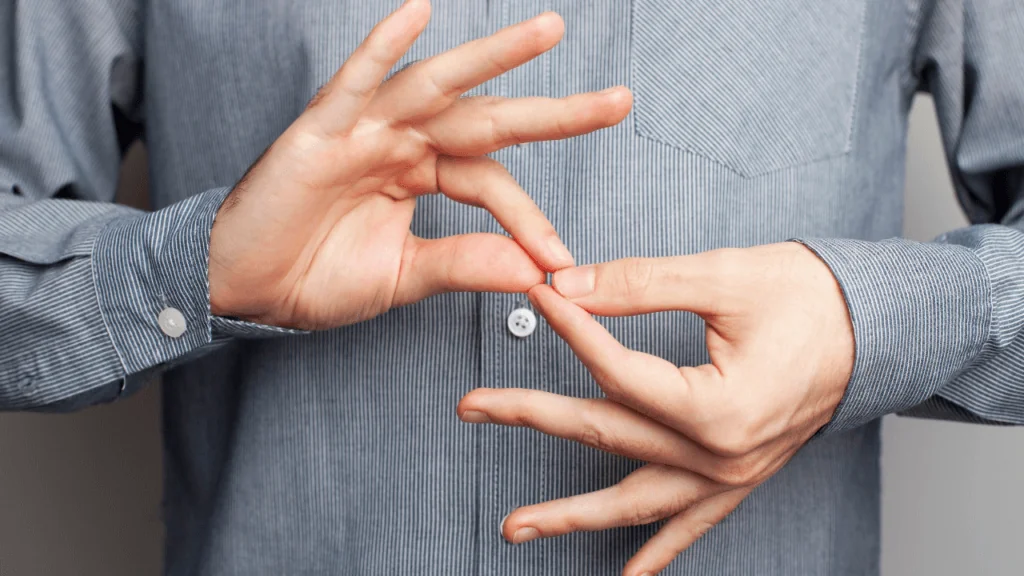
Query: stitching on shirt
[851,115]
[96,292]
[631,62]
[769,172]
[851,118]
[987,345]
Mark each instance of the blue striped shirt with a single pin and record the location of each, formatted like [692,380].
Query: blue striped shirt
[338,452]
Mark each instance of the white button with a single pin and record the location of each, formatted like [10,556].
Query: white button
[172,322]
[522,322]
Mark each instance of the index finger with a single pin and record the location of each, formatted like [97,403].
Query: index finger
[431,85]
[650,385]
[484,182]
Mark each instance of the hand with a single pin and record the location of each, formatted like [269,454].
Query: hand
[317,235]
[781,348]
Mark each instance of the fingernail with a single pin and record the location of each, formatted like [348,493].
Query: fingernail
[525,534]
[574,282]
[475,417]
[559,252]
[501,529]
[611,90]
[647,574]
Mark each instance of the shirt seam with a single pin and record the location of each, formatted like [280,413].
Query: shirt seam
[99,299]
[990,320]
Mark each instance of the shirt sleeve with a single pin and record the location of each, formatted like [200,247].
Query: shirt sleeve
[939,326]
[83,281]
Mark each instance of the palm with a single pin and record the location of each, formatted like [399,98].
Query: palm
[317,234]
[365,225]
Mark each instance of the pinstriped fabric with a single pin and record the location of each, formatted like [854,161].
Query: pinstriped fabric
[164,256]
[339,452]
[986,390]
[941,323]
[705,106]
[227,327]
[27,227]
[42,359]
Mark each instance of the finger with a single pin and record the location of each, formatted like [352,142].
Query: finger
[484,182]
[337,106]
[681,532]
[648,384]
[647,495]
[476,126]
[597,423]
[429,86]
[465,263]
[643,285]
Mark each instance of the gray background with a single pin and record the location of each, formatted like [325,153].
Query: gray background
[80,494]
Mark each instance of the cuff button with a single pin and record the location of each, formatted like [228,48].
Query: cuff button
[172,322]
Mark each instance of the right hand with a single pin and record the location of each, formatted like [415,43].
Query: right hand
[316,235]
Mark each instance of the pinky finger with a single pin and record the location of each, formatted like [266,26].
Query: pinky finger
[681,532]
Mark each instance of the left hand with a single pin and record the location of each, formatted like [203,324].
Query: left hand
[781,347]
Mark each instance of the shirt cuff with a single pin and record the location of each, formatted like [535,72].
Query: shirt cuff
[920,312]
[223,326]
[152,264]
[158,263]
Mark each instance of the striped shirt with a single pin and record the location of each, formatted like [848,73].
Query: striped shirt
[339,452]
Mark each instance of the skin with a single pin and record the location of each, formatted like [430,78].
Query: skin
[316,235]
[781,347]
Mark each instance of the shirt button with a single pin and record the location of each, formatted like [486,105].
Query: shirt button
[522,322]
[172,322]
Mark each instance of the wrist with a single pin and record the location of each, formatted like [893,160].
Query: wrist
[901,304]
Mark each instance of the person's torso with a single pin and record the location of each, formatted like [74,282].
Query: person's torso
[339,452]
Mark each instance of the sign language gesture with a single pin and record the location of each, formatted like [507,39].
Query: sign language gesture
[781,349]
[316,235]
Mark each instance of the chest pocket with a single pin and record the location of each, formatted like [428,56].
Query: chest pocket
[756,86]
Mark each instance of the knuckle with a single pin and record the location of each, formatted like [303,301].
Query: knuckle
[734,429]
[594,436]
[737,472]
[570,524]
[494,130]
[698,529]
[612,389]
[730,442]
[378,49]
[641,505]
[517,411]
[636,276]
[641,511]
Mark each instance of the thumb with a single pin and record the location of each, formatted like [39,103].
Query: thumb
[643,285]
[464,263]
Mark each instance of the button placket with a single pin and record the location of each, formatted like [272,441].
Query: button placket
[522,322]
